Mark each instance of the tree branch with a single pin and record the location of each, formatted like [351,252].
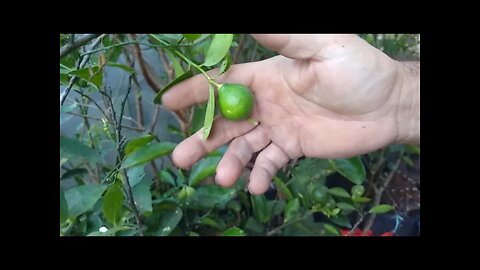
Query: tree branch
[71,46]
[84,62]
[143,67]
[99,119]
[379,193]
[118,128]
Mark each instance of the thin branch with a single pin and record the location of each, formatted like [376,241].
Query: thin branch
[71,46]
[84,62]
[239,49]
[93,101]
[168,68]
[379,193]
[145,70]
[289,223]
[99,119]
[120,139]
[138,94]
[154,120]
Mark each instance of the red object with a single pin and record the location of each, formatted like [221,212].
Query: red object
[359,232]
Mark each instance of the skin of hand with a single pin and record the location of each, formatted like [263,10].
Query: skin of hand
[324,96]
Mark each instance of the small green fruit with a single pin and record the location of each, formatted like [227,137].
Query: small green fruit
[235,101]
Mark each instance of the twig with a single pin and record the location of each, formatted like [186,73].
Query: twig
[356,224]
[99,119]
[168,68]
[84,61]
[93,101]
[118,128]
[71,46]
[143,67]
[154,120]
[138,94]
[289,223]
[379,193]
[239,49]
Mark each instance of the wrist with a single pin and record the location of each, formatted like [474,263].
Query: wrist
[408,107]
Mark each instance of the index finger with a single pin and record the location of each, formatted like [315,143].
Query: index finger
[195,90]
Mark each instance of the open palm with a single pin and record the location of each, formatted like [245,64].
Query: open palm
[325,96]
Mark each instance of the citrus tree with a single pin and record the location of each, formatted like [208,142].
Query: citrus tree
[116,174]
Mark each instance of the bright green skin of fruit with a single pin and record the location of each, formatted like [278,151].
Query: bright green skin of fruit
[320,195]
[235,101]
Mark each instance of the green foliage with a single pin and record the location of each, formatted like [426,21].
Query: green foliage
[95,167]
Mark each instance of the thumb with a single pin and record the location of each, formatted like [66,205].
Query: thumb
[300,46]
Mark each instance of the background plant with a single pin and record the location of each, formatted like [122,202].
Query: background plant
[116,175]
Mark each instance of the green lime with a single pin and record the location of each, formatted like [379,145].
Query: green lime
[320,194]
[235,101]
[358,190]
[331,203]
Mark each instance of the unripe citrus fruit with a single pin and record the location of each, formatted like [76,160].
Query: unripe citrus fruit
[235,101]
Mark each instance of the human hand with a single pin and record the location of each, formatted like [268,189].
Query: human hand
[325,96]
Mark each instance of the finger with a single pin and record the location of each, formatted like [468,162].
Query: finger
[239,154]
[195,147]
[300,46]
[268,162]
[195,90]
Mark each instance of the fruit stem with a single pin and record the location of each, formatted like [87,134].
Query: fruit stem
[252,121]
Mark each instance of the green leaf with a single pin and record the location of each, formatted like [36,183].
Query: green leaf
[291,210]
[185,192]
[335,211]
[341,221]
[135,174]
[147,153]
[112,203]
[345,206]
[177,67]
[413,149]
[210,222]
[234,205]
[71,148]
[261,208]
[191,37]
[278,207]
[86,75]
[143,196]
[180,177]
[193,234]
[167,177]
[218,48]
[122,66]
[204,168]
[210,112]
[137,143]
[184,76]
[175,130]
[361,199]
[74,172]
[253,225]
[63,206]
[226,63]
[210,196]
[169,221]
[331,229]
[381,209]
[234,231]
[81,199]
[339,192]
[351,168]
[282,188]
